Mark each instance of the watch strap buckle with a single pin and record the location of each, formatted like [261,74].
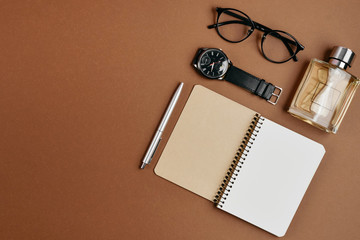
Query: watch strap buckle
[275,96]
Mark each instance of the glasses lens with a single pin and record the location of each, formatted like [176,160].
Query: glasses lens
[279,46]
[234,25]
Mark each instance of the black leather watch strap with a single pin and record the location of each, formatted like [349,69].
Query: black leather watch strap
[255,85]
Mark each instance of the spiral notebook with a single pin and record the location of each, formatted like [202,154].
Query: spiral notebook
[249,166]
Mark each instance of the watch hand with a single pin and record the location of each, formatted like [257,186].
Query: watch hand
[212,66]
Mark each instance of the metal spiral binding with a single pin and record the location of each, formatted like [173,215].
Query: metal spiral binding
[238,160]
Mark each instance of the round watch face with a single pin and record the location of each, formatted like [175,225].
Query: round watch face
[213,63]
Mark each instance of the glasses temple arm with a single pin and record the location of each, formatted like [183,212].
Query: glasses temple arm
[226,23]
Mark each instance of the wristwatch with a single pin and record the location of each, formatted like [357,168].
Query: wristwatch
[214,64]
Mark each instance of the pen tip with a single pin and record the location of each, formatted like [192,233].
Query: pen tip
[143,165]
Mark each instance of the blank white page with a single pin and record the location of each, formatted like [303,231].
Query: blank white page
[274,178]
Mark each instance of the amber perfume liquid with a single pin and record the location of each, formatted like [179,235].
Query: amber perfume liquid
[324,95]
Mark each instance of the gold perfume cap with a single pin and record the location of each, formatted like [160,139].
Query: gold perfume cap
[341,57]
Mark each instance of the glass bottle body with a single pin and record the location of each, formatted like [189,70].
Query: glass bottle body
[324,95]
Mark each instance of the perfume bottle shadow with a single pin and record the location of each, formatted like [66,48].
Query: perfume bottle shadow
[296,85]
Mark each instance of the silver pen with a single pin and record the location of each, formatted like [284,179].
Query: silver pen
[157,137]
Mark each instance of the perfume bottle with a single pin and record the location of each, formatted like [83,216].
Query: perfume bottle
[326,91]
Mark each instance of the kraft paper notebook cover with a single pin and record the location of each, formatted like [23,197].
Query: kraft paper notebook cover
[248,165]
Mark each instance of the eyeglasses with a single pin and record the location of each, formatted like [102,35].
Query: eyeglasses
[235,26]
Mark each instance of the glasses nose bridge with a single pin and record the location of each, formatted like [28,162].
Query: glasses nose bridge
[250,31]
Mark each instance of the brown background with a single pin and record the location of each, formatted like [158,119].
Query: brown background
[84,85]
